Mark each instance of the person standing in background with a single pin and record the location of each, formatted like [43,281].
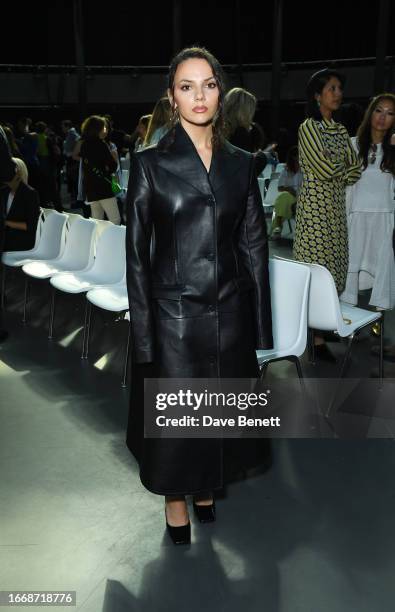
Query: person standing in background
[72,166]
[329,163]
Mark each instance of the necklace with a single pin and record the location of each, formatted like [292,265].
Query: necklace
[372,153]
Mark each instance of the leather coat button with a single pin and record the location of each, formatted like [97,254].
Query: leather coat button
[211,308]
[210,256]
[210,201]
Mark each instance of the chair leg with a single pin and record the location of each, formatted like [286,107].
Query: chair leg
[125,366]
[84,332]
[381,361]
[262,369]
[3,274]
[311,346]
[88,331]
[347,355]
[300,373]
[25,300]
[342,372]
[52,314]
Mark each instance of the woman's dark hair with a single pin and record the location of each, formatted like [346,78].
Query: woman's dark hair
[315,86]
[292,161]
[202,53]
[364,136]
[92,126]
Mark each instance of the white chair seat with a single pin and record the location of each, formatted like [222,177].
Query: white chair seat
[77,282]
[113,297]
[358,317]
[108,267]
[77,255]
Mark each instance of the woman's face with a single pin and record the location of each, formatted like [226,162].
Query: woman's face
[195,93]
[331,95]
[383,116]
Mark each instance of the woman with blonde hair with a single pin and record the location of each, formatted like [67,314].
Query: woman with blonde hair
[20,203]
[239,111]
[159,122]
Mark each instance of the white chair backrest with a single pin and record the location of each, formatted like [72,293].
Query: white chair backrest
[110,259]
[53,235]
[125,163]
[73,217]
[272,192]
[125,179]
[266,172]
[47,211]
[79,249]
[289,290]
[324,306]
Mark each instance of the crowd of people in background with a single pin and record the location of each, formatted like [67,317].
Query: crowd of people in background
[337,182]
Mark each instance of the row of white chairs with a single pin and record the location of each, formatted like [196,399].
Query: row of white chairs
[304,297]
[85,256]
[77,256]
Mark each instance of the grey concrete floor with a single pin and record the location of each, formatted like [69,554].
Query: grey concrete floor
[313,534]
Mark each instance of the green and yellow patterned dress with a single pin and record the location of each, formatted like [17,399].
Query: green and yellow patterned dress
[328,163]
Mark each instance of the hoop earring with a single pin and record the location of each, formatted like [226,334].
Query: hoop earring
[175,115]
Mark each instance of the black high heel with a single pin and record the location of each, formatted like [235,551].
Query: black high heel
[205,514]
[179,535]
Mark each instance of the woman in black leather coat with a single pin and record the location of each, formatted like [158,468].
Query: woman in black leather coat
[198,283]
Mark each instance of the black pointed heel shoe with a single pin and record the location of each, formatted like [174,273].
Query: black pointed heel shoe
[205,514]
[179,535]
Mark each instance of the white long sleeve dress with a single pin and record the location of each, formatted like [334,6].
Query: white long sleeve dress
[370,211]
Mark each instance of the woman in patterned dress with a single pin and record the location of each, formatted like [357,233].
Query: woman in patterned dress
[329,163]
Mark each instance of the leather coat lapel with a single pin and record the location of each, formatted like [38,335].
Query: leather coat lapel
[225,165]
[177,154]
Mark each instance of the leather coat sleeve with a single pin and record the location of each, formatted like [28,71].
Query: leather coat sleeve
[254,252]
[138,269]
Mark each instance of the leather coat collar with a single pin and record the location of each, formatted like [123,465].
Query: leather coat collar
[177,154]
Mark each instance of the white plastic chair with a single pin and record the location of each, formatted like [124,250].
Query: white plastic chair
[115,299]
[328,313]
[289,291]
[266,172]
[73,217]
[125,179]
[262,187]
[49,245]
[77,256]
[125,163]
[36,241]
[108,268]
[271,193]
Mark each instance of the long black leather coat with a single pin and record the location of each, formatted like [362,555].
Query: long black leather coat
[198,285]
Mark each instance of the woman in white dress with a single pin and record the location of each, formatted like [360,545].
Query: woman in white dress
[370,207]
